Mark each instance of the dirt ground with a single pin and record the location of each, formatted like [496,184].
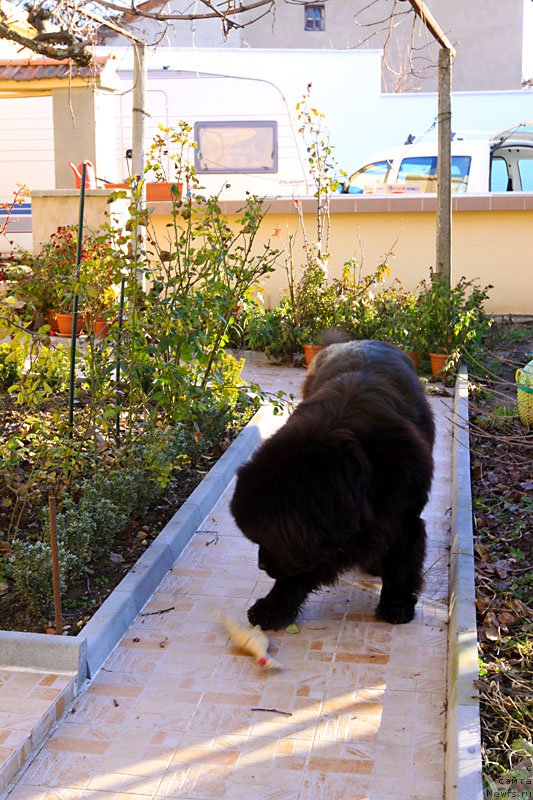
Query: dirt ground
[502,487]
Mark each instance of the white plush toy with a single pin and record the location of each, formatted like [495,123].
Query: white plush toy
[251,641]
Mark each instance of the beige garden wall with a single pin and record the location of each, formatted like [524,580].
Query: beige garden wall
[56,208]
[492,240]
[492,236]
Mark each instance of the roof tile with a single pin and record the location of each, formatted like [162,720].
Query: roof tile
[31,69]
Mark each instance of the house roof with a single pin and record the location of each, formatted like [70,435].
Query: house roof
[37,75]
[40,68]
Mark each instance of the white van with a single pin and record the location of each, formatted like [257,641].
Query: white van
[502,162]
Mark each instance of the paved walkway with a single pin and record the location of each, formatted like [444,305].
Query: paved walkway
[358,713]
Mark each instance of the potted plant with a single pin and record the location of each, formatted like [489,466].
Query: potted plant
[39,293]
[314,304]
[452,319]
[406,329]
[55,279]
[435,315]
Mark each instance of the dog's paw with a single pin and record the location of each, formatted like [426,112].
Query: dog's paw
[395,613]
[268,617]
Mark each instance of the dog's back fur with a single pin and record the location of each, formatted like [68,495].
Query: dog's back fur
[343,482]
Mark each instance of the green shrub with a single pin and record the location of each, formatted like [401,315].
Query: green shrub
[132,490]
[119,486]
[275,331]
[315,302]
[11,364]
[75,531]
[52,366]
[452,318]
[31,572]
[108,519]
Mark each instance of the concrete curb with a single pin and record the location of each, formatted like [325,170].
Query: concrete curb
[463,732]
[84,655]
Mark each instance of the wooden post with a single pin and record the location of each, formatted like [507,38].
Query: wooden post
[139,110]
[444,169]
[138,149]
[56,582]
[444,183]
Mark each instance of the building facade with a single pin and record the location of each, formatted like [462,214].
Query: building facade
[487,35]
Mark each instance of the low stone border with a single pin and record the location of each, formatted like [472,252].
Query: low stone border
[84,654]
[463,733]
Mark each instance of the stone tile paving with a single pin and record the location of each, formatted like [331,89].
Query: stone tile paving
[30,704]
[358,713]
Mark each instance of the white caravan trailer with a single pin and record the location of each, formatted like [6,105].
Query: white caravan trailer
[246,134]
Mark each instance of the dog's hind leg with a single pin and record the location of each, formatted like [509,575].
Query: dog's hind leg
[402,573]
[281,605]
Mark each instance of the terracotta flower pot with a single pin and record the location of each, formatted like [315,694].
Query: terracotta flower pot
[64,324]
[51,319]
[100,327]
[438,360]
[310,351]
[97,325]
[415,357]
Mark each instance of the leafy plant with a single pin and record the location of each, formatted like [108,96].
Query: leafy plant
[452,318]
[11,363]
[275,331]
[76,529]
[31,572]
[107,518]
[178,329]
[47,372]
[315,306]
[53,278]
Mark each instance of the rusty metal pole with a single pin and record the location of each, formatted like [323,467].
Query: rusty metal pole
[56,582]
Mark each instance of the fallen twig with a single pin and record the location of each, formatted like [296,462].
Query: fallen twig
[274,711]
[154,613]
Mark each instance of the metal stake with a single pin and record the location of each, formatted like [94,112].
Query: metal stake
[75,311]
[56,582]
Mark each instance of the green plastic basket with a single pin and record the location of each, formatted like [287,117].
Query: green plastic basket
[524,388]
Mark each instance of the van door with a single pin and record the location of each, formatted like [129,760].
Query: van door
[370,179]
[420,173]
[511,169]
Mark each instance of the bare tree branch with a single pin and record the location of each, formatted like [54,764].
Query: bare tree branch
[63,46]
[215,12]
[65,29]
[410,64]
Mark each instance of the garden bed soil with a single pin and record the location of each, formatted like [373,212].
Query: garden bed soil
[84,598]
[502,490]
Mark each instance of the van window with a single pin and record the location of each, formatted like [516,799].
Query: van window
[499,175]
[369,179]
[236,146]
[525,168]
[460,173]
[420,172]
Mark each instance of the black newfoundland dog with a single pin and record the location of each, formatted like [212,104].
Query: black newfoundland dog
[343,482]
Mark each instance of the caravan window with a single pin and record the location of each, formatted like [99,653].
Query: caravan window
[236,146]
